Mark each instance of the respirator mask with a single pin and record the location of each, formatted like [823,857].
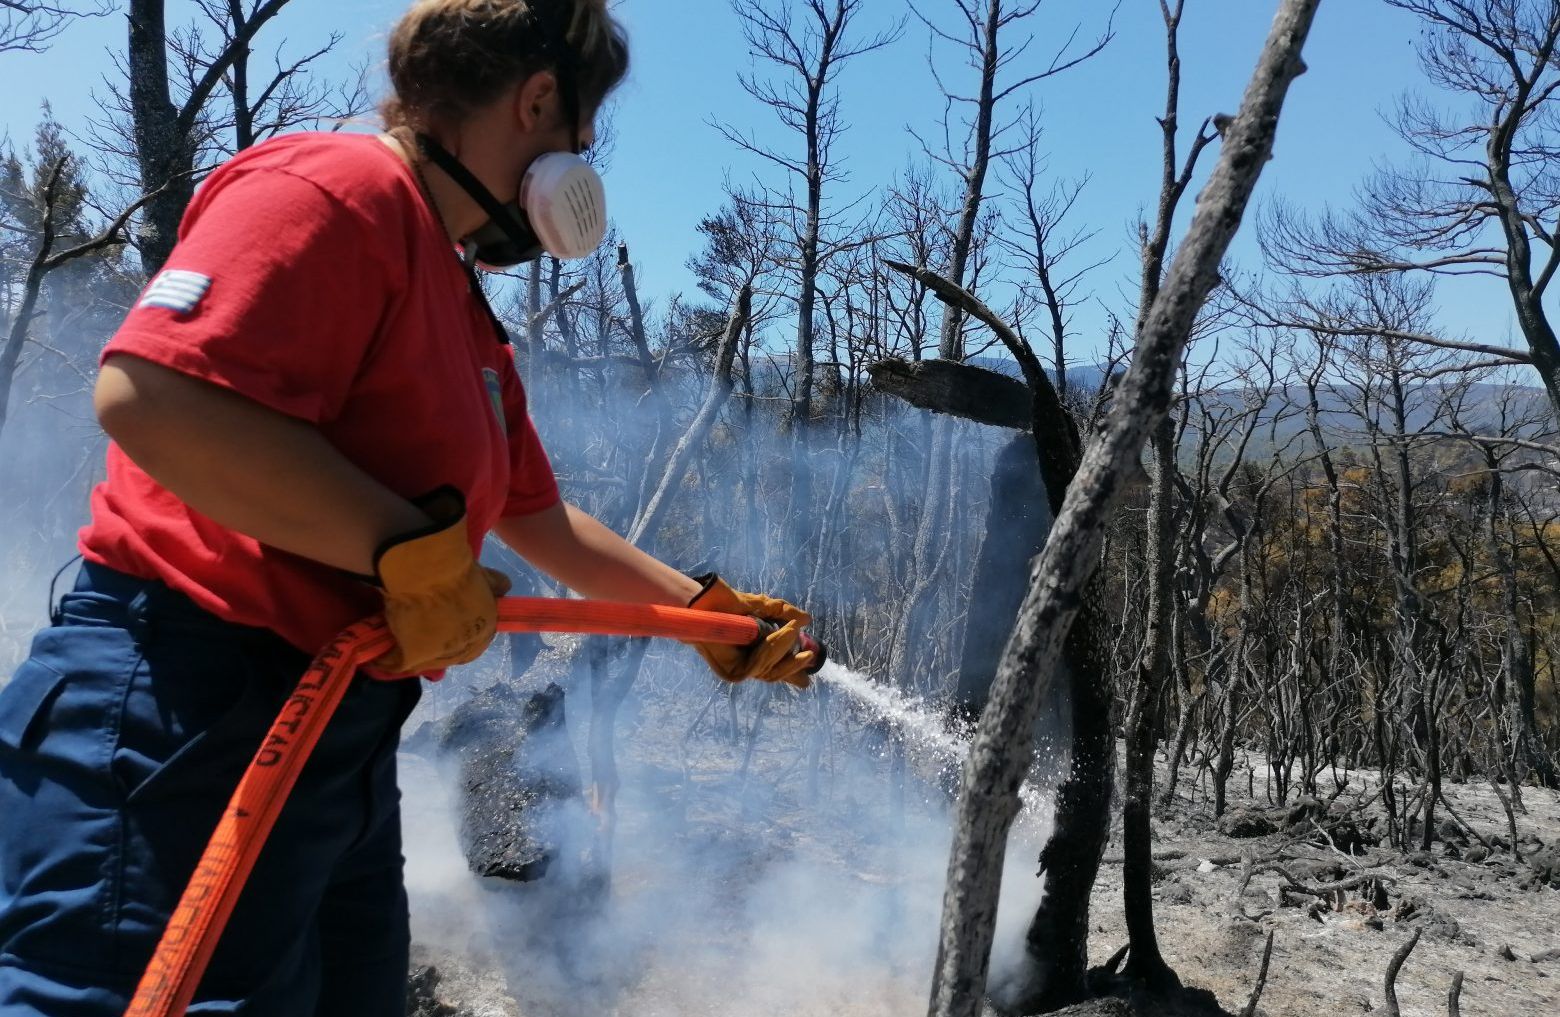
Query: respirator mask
[562,205]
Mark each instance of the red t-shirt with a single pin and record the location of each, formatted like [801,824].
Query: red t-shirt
[311,277]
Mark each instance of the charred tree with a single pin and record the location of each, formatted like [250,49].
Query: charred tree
[1498,219]
[809,57]
[1152,674]
[50,254]
[1057,938]
[170,133]
[164,131]
[1002,748]
[1149,678]
[985,36]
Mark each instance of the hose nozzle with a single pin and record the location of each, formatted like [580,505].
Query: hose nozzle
[805,643]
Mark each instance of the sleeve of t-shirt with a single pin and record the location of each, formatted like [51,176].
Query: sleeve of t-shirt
[532,484]
[274,291]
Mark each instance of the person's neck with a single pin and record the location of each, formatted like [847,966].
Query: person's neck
[459,213]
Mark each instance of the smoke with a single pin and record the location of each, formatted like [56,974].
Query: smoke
[731,895]
[791,871]
[51,453]
[742,883]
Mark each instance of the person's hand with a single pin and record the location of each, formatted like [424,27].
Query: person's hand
[774,658]
[441,606]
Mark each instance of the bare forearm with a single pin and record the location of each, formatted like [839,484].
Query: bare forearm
[249,468]
[573,547]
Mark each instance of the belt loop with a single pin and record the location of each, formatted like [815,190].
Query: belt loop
[139,612]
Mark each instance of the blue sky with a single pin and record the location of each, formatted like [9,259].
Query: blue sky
[670,165]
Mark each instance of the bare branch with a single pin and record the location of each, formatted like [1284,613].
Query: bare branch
[27,26]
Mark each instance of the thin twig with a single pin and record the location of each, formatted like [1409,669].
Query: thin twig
[1392,971]
[1256,992]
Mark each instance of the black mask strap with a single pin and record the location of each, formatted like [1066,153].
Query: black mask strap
[456,171]
[483,197]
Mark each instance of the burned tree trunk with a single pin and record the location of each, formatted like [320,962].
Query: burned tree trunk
[1144,961]
[1002,748]
[1056,943]
[165,131]
[162,149]
[608,690]
[944,386]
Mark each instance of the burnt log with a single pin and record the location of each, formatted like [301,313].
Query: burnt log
[521,789]
[957,390]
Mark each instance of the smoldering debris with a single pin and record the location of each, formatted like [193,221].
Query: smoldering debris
[519,778]
[441,985]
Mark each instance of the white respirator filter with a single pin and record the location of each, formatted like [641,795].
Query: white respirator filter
[565,200]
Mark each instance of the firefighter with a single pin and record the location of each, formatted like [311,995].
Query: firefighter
[315,417]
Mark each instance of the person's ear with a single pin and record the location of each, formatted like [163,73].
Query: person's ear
[535,97]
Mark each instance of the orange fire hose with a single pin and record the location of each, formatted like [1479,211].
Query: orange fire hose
[203,910]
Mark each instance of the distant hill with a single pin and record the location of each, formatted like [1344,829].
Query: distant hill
[1338,408]
[1282,414]
[1085,377]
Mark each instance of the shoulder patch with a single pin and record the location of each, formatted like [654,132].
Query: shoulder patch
[176,290]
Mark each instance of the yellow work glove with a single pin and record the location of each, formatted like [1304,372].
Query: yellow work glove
[775,658]
[441,606]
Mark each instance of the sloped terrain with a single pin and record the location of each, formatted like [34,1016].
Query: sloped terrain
[773,891]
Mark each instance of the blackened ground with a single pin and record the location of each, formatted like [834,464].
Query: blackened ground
[790,892]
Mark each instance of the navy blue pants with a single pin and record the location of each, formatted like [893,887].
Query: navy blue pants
[121,738]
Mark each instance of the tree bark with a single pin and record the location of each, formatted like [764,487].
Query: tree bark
[1056,959]
[1145,963]
[162,150]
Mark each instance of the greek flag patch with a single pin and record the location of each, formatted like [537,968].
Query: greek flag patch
[176,290]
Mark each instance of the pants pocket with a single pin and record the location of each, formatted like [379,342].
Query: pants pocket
[186,734]
[24,704]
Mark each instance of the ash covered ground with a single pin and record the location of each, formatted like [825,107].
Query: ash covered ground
[765,893]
